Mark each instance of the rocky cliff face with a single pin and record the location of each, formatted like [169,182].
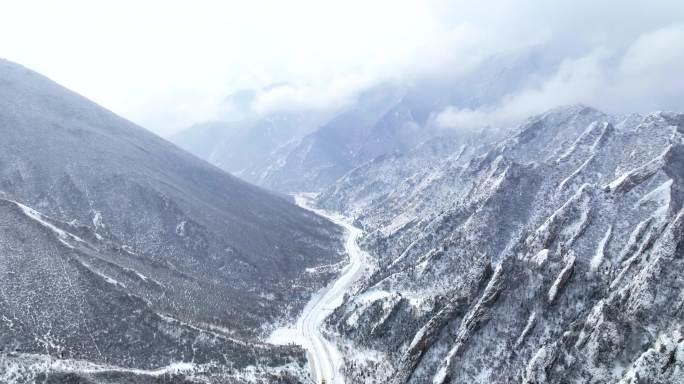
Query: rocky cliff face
[549,254]
[119,252]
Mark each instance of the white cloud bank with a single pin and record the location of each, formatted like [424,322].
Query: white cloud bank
[169,63]
[340,93]
[647,75]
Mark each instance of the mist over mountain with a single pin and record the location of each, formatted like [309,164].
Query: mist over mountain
[244,146]
[289,153]
[470,87]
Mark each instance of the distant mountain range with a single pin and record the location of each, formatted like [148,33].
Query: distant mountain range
[121,253]
[309,150]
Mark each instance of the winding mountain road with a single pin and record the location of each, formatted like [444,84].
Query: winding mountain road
[324,357]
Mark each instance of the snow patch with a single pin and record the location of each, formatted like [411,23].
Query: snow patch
[562,278]
[180,228]
[372,296]
[661,195]
[62,235]
[579,170]
[97,220]
[528,327]
[285,336]
[106,278]
[631,179]
[541,257]
[397,223]
[598,257]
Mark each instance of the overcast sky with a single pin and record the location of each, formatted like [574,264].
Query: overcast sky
[167,64]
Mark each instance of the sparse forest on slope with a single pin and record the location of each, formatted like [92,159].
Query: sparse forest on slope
[122,253]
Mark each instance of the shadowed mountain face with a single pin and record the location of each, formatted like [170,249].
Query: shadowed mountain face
[117,248]
[378,124]
[548,254]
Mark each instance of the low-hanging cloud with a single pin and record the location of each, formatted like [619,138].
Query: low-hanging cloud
[176,61]
[340,93]
[646,75]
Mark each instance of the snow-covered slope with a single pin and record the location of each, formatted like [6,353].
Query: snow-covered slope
[120,249]
[550,254]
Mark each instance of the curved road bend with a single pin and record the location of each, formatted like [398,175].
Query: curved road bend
[324,357]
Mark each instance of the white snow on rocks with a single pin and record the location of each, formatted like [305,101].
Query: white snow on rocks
[636,176]
[595,129]
[180,228]
[397,223]
[97,220]
[62,235]
[528,327]
[562,278]
[541,257]
[661,195]
[536,370]
[572,176]
[579,203]
[476,315]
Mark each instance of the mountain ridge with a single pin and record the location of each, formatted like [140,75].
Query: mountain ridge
[513,258]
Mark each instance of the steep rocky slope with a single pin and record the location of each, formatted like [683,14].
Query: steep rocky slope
[548,254]
[119,250]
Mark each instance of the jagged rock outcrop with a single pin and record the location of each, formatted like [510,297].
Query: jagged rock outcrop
[581,215]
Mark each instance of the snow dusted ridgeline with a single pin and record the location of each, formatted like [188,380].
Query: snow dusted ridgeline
[582,213]
[325,359]
[107,231]
[310,150]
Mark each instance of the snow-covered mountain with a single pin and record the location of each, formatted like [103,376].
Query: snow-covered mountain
[308,151]
[551,253]
[124,258]
[244,147]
